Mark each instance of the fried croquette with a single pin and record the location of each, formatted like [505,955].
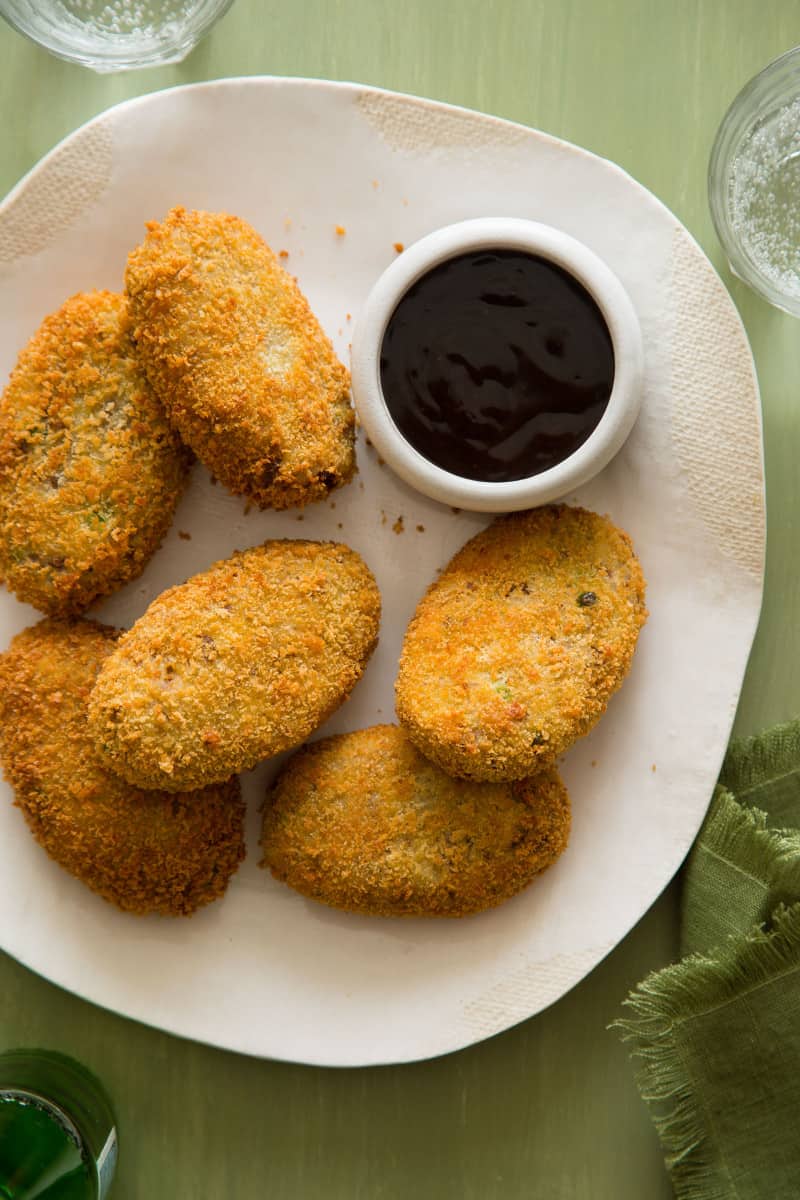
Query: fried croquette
[515,650]
[240,362]
[90,469]
[236,664]
[363,822]
[145,852]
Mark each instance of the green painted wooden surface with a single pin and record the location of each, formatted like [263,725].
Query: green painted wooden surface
[548,1110]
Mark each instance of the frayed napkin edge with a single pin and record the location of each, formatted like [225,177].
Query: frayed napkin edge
[743,837]
[751,762]
[668,998]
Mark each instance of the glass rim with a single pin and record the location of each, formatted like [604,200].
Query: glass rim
[70,1090]
[752,103]
[123,57]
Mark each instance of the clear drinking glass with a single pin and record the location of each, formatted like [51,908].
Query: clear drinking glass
[115,35]
[754,183]
[58,1136]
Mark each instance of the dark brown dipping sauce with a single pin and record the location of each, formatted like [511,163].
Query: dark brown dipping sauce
[496,365]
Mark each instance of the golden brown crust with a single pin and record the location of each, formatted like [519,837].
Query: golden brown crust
[239,360]
[90,470]
[515,650]
[236,664]
[142,851]
[363,822]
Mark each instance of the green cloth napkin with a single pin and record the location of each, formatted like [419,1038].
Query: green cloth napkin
[717,1036]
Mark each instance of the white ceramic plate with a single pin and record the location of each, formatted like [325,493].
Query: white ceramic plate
[264,971]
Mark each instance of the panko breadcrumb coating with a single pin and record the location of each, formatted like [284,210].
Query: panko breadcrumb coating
[90,469]
[240,362]
[515,650]
[363,822]
[236,664]
[145,852]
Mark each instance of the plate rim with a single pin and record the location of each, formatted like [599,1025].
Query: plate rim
[454,1041]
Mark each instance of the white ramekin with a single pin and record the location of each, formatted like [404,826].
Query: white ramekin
[499,233]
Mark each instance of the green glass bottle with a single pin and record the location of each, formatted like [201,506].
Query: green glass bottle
[58,1136]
